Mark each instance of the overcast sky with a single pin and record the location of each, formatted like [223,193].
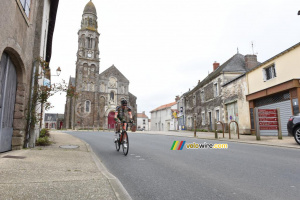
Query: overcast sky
[164,47]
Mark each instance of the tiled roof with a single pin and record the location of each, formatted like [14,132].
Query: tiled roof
[141,115]
[164,106]
[50,117]
[235,64]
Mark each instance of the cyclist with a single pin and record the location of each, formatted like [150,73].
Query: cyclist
[120,116]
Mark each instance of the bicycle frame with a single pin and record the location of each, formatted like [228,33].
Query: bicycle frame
[123,141]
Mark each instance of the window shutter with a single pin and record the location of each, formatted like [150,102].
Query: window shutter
[264,74]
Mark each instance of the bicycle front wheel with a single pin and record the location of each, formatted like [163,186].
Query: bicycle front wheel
[125,143]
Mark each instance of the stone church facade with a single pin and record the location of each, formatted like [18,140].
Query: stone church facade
[98,94]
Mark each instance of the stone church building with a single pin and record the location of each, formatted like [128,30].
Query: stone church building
[98,94]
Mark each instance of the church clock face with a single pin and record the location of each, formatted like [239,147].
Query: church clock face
[89,54]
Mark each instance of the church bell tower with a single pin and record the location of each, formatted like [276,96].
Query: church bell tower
[87,67]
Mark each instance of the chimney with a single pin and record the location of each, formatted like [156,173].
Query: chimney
[143,112]
[250,61]
[216,65]
[177,98]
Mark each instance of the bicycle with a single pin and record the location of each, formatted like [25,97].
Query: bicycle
[123,139]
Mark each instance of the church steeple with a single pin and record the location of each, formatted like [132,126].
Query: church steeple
[88,36]
[89,17]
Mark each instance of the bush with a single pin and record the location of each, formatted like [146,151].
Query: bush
[44,133]
[202,130]
[43,141]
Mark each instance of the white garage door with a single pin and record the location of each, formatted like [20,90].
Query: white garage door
[285,113]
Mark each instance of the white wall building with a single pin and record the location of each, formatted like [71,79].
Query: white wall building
[162,118]
[142,121]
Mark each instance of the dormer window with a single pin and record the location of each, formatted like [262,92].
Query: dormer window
[269,72]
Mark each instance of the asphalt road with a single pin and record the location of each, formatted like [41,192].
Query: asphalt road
[243,171]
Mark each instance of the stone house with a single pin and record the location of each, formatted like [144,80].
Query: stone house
[53,121]
[98,94]
[273,84]
[26,30]
[204,104]
[235,105]
[162,118]
[142,121]
[181,111]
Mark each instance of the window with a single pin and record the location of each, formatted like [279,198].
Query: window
[269,72]
[202,96]
[144,121]
[216,90]
[217,115]
[112,96]
[87,106]
[203,118]
[194,99]
[26,6]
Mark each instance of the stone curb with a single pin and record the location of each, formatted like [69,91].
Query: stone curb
[116,185]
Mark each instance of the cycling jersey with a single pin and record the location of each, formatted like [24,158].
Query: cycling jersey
[122,112]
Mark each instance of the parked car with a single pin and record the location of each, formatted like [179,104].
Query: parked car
[293,127]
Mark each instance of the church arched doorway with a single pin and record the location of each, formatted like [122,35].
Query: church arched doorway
[111,120]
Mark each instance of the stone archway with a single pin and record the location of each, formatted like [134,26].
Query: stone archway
[19,119]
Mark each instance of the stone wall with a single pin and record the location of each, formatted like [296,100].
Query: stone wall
[236,91]
[19,38]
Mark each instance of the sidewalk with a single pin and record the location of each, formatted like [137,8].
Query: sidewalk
[57,173]
[287,141]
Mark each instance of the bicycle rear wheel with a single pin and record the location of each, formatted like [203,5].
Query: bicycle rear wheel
[125,143]
[118,143]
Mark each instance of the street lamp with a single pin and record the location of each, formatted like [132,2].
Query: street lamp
[46,72]
[58,71]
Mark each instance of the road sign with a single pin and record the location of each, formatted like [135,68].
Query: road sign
[268,127]
[267,115]
[268,123]
[268,119]
[271,111]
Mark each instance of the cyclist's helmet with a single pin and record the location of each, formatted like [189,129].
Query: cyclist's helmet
[124,102]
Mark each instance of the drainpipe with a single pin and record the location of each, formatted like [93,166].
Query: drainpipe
[32,86]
